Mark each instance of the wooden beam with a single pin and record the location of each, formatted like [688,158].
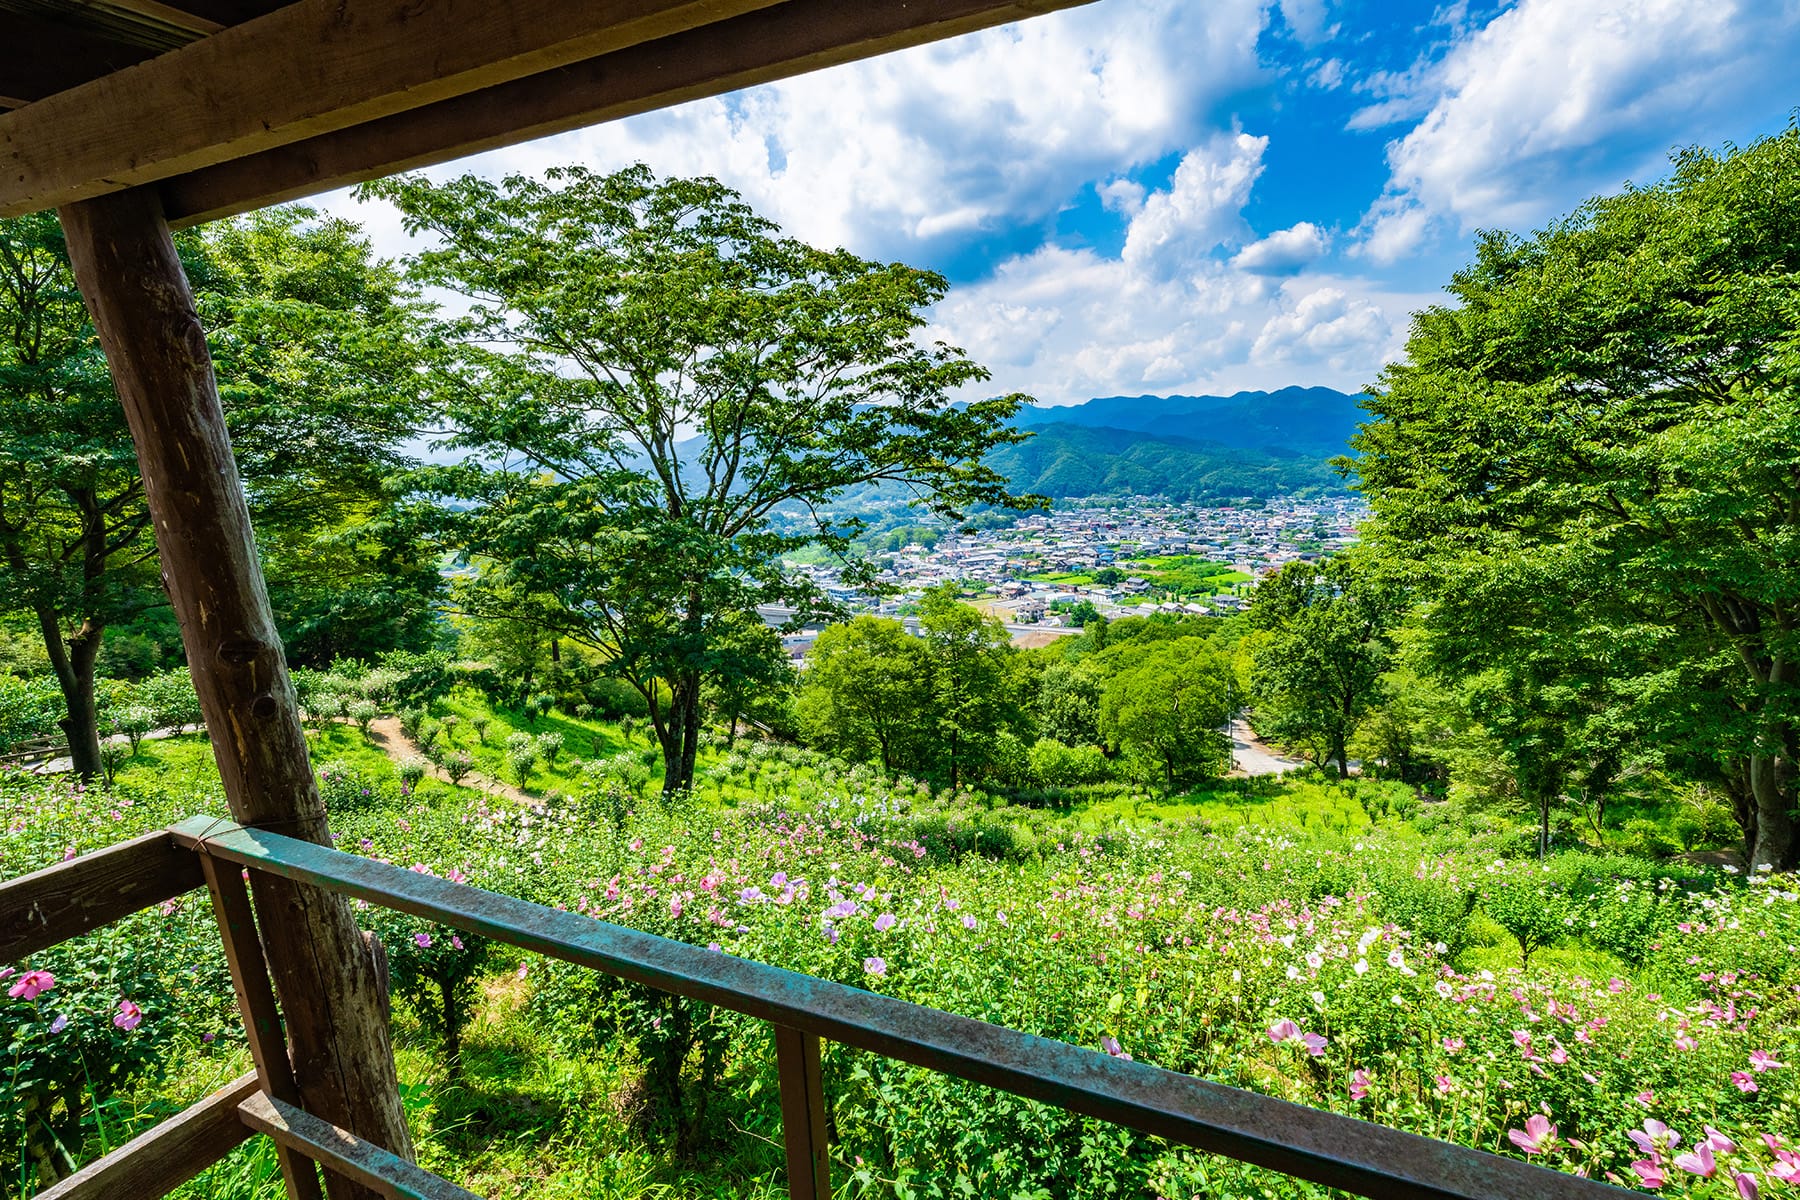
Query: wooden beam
[180,18]
[159,1160]
[125,262]
[343,1152]
[256,1008]
[306,69]
[790,39]
[46,57]
[804,1133]
[71,898]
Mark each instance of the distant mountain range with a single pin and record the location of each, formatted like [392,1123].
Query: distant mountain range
[1187,448]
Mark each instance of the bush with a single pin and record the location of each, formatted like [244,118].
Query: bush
[364,712]
[344,788]
[520,761]
[1057,765]
[550,745]
[411,772]
[458,765]
[29,710]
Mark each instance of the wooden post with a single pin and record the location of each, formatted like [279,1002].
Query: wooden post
[803,1129]
[134,285]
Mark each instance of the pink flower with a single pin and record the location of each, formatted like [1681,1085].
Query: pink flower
[1111,1046]
[1684,1042]
[1359,1084]
[31,985]
[1698,1161]
[1743,1081]
[1645,1098]
[128,1016]
[1283,1030]
[1539,1134]
[1718,1141]
[522,971]
[884,922]
[1454,1045]
[875,966]
[1649,1173]
[1762,1060]
[1315,1044]
[1653,1136]
[422,940]
[1746,1186]
[1443,1084]
[455,942]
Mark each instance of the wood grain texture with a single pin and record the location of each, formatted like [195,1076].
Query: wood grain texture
[804,1133]
[774,43]
[345,1153]
[160,1160]
[256,1007]
[125,262]
[305,69]
[71,898]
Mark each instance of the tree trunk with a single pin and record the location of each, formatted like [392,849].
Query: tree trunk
[1773,842]
[681,743]
[327,980]
[1543,826]
[73,662]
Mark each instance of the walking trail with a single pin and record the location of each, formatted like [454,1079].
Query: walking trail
[386,733]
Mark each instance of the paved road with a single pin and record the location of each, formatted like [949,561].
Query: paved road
[1251,757]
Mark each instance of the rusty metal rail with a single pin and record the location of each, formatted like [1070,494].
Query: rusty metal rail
[1326,1148]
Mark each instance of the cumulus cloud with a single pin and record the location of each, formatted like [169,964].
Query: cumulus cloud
[1176,309]
[911,153]
[1282,252]
[1552,100]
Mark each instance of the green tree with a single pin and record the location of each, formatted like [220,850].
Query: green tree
[310,339]
[1165,709]
[647,372]
[866,693]
[1613,406]
[1325,643]
[974,685]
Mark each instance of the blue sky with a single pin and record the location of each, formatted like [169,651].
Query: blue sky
[1207,195]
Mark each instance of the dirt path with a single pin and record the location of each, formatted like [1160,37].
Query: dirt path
[1251,757]
[386,733]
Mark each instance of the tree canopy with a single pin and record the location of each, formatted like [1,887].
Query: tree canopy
[1600,439]
[645,374]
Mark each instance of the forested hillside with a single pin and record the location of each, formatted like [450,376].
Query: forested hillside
[1074,460]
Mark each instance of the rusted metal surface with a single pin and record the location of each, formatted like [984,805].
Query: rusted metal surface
[71,898]
[1338,1151]
[343,1153]
[159,1160]
[803,1128]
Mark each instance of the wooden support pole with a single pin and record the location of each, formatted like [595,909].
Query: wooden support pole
[803,1130]
[132,280]
[256,1006]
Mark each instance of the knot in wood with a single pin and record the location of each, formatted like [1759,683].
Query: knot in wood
[264,707]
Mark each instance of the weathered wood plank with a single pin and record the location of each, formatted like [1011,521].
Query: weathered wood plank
[125,261]
[789,39]
[305,69]
[71,898]
[256,1007]
[59,56]
[159,1160]
[345,1153]
[803,1128]
[1324,1147]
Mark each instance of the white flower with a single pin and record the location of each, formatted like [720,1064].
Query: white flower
[1361,967]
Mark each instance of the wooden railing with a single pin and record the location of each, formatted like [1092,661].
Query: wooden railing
[71,898]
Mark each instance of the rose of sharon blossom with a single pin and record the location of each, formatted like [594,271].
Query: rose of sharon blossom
[1537,1137]
[875,966]
[129,1016]
[31,985]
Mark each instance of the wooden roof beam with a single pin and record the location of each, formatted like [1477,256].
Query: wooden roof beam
[773,43]
[306,69]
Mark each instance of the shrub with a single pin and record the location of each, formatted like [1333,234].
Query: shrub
[411,771]
[520,761]
[550,745]
[344,788]
[480,726]
[364,712]
[458,765]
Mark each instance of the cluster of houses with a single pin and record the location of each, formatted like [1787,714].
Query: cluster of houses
[1034,572]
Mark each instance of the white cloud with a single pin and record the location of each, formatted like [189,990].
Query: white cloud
[934,146]
[1552,100]
[1174,310]
[1282,252]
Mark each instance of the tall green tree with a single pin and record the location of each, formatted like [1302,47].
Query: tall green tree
[310,339]
[1612,405]
[648,372]
[975,687]
[866,693]
[1324,645]
[1165,708]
